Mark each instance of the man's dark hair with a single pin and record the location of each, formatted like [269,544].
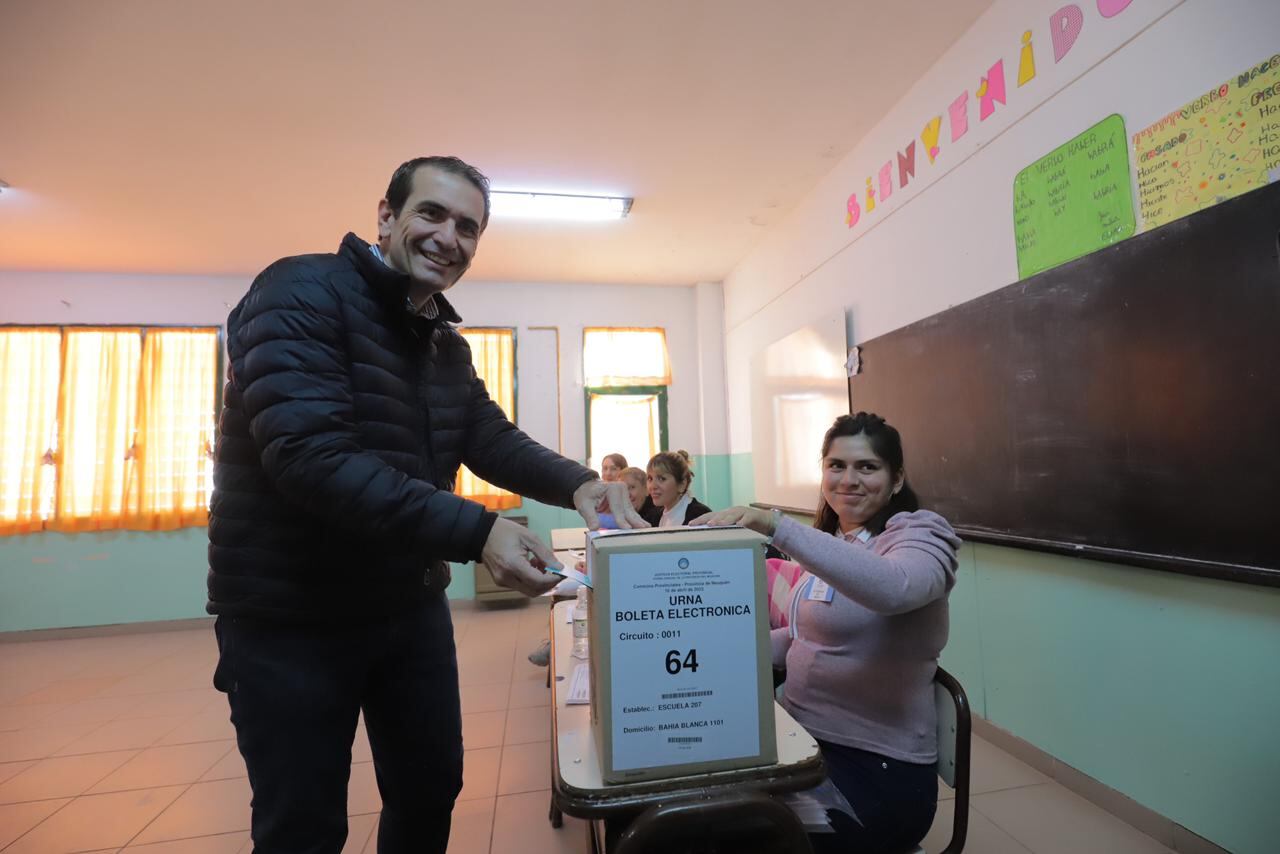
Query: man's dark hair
[887,444]
[402,181]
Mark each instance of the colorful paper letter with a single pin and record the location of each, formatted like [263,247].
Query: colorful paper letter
[1064,26]
[929,136]
[1027,63]
[886,180]
[959,113]
[1111,8]
[907,164]
[852,212]
[991,90]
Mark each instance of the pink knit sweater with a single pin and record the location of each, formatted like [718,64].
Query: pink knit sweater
[860,671]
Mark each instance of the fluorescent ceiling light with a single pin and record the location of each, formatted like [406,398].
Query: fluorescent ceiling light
[557,206]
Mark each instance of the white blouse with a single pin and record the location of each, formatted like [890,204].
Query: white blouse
[674,517]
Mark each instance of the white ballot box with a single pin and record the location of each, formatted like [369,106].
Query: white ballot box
[681,675]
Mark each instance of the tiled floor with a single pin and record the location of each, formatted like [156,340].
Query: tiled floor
[120,744]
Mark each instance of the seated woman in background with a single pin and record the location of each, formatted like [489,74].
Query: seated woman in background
[669,476]
[867,621]
[635,480]
[637,488]
[610,469]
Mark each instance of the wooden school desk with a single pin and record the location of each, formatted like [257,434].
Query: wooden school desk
[661,806]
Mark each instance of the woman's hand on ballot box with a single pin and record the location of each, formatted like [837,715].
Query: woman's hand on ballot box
[760,521]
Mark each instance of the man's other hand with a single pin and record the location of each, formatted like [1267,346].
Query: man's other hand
[588,496]
[516,558]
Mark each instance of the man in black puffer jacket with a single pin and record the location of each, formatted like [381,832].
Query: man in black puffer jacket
[349,405]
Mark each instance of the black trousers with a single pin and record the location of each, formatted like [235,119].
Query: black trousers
[895,802]
[296,691]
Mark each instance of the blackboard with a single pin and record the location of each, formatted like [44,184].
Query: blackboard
[1124,406]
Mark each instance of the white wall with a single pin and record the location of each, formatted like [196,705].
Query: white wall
[948,236]
[80,298]
[573,307]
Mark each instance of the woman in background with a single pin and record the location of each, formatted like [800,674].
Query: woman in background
[669,476]
[867,621]
[610,469]
[637,489]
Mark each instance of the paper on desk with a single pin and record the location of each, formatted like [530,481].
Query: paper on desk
[579,686]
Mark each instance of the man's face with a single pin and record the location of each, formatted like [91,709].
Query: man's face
[434,237]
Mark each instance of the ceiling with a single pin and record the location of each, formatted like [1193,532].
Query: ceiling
[154,136]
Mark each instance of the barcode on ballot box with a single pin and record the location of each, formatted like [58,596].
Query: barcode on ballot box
[681,694]
[684,739]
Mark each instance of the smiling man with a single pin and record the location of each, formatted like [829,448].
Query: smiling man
[351,401]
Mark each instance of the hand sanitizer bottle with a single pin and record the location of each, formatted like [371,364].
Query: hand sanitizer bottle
[580,623]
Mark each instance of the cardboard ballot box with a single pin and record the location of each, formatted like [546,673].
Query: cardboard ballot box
[681,675]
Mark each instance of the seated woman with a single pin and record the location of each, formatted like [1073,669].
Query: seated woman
[669,476]
[610,468]
[866,624]
[635,480]
[637,488]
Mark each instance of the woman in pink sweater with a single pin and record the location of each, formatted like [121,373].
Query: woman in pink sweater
[866,623]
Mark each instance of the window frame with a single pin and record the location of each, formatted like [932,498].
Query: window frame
[660,391]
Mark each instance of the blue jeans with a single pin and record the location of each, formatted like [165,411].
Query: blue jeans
[296,691]
[895,802]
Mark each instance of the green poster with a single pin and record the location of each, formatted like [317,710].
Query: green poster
[1074,200]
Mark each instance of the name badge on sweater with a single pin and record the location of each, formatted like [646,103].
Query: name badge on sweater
[819,591]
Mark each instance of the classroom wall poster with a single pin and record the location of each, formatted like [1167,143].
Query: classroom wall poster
[1074,200]
[1224,143]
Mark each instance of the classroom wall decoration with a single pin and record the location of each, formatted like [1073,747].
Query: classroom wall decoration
[991,92]
[1224,143]
[1074,200]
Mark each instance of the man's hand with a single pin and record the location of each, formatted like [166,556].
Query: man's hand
[516,557]
[760,521]
[588,496]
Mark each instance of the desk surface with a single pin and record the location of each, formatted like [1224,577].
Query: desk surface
[576,782]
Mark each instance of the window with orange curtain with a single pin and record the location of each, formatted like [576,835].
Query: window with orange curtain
[106,427]
[493,352]
[625,374]
[30,368]
[172,473]
[625,356]
[97,414]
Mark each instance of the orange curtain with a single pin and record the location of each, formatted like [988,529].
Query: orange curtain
[622,356]
[172,469]
[97,415]
[29,373]
[493,352]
